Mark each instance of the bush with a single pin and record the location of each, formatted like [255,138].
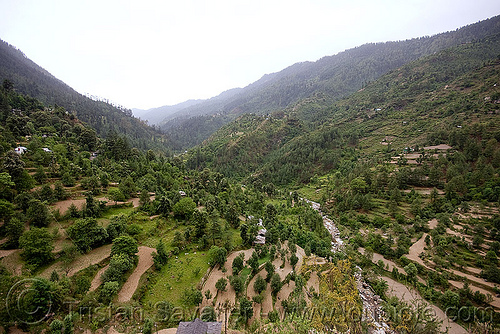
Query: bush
[118,266]
[108,290]
[37,246]
[87,234]
[124,244]
[192,297]
[217,256]
[184,208]
[37,213]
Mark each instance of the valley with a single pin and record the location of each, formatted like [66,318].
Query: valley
[301,203]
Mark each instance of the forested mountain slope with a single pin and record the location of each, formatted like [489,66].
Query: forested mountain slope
[329,78]
[405,105]
[32,80]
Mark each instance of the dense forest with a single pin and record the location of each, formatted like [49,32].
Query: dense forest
[32,80]
[330,78]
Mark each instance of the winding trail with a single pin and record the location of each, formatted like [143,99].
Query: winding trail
[145,262]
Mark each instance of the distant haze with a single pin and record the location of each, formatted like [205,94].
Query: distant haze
[149,53]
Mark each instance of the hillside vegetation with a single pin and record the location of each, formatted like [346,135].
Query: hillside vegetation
[97,233]
[31,80]
[282,147]
[329,79]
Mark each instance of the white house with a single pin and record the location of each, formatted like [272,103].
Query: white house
[20,149]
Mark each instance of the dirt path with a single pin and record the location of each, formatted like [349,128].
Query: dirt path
[416,249]
[5,253]
[145,262]
[97,279]
[403,293]
[95,256]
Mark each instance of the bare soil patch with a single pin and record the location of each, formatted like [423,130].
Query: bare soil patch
[11,260]
[145,262]
[387,263]
[433,223]
[460,285]
[96,282]
[83,261]
[63,206]
[167,331]
[411,296]
[442,147]
[416,249]
[216,274]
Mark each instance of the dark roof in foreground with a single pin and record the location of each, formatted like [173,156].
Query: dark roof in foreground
[199,327]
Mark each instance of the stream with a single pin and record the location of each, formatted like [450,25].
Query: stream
[372,311]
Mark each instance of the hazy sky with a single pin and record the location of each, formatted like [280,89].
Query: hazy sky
[149,53]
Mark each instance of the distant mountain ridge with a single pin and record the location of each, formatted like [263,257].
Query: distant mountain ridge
[31,79]
[331,78]
[421,103]
[156,115]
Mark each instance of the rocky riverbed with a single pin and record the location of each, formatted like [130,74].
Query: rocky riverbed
[372,310]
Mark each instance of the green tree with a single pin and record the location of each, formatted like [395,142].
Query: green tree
[87,234]
[161,256]
[269,266]
[221,284]
[276,284]
[116,227]
[56,326]
[124,244]
[237,265]
[148,326]
[6,186]
[144,198]
[40,175]
[184,208]
[237,284]
[68,324]
[127,187]
[6,210]
[14,228]
[108,291]
[449,299]
[217,256]
[245,310]
[68,180]
[59,192]
[37,213]
[37,246]
[411,271]
[215,231]
[259,285]
[200,222]
[253,262]
[116,195]
[192,297]
[208,314]
[119,264]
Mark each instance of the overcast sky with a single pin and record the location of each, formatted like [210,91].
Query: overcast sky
[149,53]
